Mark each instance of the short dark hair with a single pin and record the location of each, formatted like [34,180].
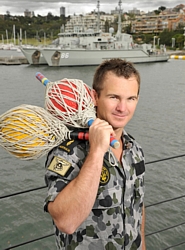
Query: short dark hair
[117,66]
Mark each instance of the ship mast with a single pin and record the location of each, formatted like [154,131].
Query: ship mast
[98,7]
[119,19]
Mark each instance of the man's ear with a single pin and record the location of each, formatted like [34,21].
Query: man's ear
[94,96]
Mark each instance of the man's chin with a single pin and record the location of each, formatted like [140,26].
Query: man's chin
[118,123]
[118,126]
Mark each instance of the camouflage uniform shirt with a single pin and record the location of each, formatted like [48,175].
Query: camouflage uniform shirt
[115,219]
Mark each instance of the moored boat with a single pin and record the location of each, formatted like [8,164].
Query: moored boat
[81,57]
[33,54]
[92,47]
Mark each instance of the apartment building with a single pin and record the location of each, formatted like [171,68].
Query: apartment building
[140,23]
[178,21]
[157,23]
[80,23]
[28,13]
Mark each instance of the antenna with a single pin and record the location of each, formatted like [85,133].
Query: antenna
[98,7]
[119,18]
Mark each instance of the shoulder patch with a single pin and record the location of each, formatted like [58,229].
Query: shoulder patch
[105,176]
[60,166]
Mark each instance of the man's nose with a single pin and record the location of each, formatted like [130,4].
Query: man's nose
[121,106]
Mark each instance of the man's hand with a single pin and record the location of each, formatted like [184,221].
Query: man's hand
[99,135]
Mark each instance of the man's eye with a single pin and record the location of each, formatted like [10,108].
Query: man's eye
[132,98]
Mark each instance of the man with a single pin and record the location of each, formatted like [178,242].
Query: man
[96,192]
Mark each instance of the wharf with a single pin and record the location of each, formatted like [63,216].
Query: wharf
[13,60]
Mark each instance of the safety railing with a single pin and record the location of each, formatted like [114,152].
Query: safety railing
[147,206]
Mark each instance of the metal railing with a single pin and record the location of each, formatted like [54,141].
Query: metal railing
[147,206]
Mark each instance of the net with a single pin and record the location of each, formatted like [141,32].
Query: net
[70,101]
[29,132]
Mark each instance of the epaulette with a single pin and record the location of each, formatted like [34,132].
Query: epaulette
[69,144]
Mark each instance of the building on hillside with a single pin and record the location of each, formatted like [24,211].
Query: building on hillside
[156,23]
[127,21]
[115,12]
[134,11]
[146,23]
[107,17]
[62,11]
[176,22]
[28,13]
[81,23]
[178,7]
[149,26]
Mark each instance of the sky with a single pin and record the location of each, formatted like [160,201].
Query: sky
[79,6]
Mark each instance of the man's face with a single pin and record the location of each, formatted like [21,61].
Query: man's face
[117,101]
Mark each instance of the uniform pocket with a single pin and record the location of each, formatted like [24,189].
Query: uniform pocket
[109,198]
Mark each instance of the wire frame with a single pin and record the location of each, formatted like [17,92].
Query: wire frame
[70,101]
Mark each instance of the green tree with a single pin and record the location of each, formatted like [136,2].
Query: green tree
[30,26]
[128,29]
[157,12]
[162,8]
[166,37]
[179,38]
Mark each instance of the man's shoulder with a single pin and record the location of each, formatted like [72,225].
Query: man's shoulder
[72,150]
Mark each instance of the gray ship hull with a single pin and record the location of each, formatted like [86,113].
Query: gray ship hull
[33,55]
[95,57]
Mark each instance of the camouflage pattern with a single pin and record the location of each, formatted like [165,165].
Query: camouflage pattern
[115,220]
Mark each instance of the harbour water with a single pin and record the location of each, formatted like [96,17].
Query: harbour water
[158,125]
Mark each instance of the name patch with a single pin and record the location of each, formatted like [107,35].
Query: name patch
[60,166]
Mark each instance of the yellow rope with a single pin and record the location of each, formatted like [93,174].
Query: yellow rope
[29,132]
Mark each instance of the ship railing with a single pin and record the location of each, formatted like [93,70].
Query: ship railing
[146,206]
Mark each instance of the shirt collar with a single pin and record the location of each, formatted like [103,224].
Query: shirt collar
[128,140]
